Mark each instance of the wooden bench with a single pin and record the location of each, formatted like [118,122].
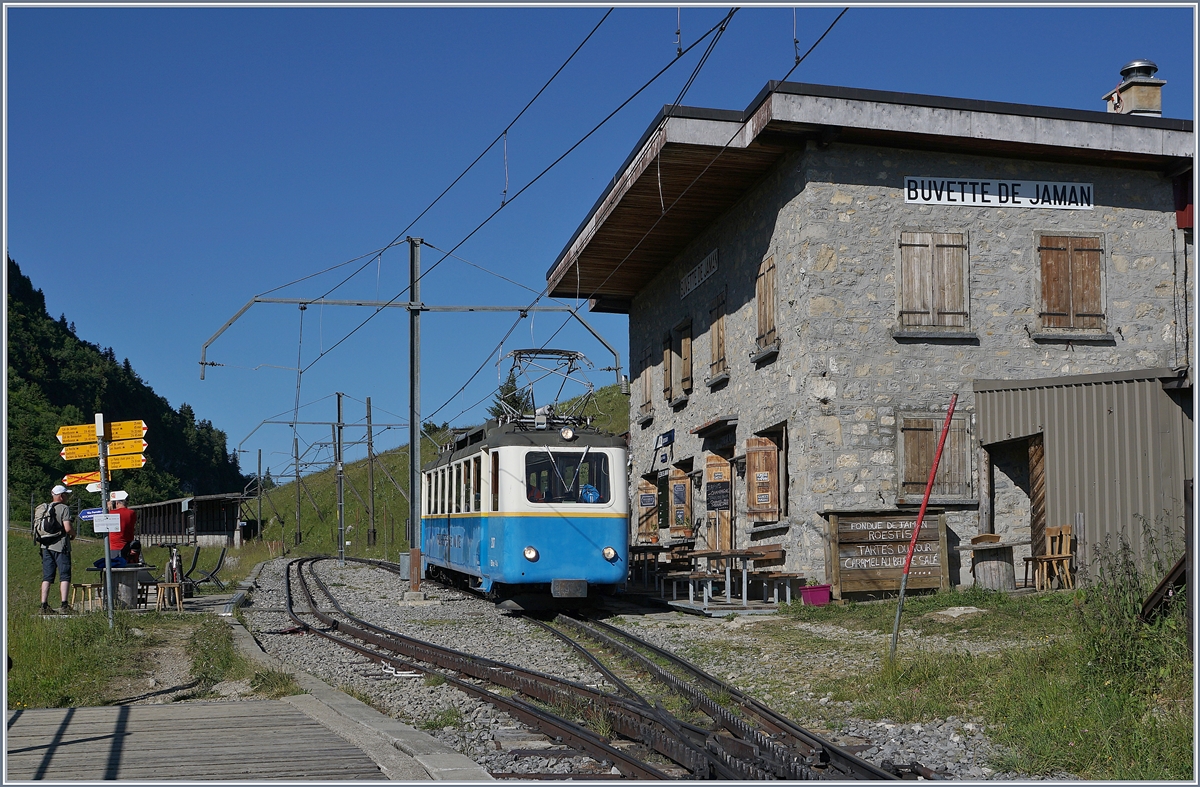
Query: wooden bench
[772,579]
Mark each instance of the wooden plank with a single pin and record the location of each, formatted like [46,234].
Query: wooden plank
[1087,307]
[762,480]
[180,741]
[685,357]
[949,288]
[916,256]
[1056,281]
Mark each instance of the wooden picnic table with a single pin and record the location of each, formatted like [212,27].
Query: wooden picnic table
[709,556]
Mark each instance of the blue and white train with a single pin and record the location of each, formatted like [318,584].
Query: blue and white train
[528,507]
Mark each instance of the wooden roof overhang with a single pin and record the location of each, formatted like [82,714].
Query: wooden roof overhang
[693,164]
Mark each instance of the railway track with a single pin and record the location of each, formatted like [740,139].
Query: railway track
[723,734]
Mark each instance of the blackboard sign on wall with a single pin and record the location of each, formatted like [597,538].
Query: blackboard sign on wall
[717,495]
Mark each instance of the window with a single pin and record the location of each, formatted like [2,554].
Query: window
[677,363]
[915,449]
[933,277]
[495,480]
[716,332]
[647,406]
[458,488]
[566,477]
[764,296]
[1071,297]
[477,481]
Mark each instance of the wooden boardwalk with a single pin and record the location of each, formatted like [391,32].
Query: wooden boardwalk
[194,741]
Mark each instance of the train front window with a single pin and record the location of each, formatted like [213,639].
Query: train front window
[567,477]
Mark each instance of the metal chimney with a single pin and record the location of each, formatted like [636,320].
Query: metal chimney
[1138,93]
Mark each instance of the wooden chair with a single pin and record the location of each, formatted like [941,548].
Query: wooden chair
[1057,558]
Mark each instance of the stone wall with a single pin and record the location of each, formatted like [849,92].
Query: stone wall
[832,219]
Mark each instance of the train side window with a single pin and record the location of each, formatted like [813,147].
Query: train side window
[495,481]
[468,486]
[477,482]
[458,487]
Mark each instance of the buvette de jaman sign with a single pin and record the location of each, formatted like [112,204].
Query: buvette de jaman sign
[978,193]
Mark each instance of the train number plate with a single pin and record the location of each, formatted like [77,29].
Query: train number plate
[569,588]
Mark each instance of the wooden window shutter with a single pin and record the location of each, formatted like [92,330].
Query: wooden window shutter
[647,385]
[1056,281]
[716,320]
[685,357]
[920,442]
[916,286]
[920,436]
[647,514]
[949,289]
[762,480]
[667,388]
[1087,310]
[680,490]
[764,294]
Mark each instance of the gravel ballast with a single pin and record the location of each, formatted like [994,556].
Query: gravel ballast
[959,747]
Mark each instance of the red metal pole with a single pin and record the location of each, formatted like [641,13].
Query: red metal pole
[912,545]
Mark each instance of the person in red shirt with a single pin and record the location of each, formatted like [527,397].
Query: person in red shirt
[119,542]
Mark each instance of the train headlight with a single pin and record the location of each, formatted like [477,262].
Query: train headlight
[531,554]
[609,553]
[567,433]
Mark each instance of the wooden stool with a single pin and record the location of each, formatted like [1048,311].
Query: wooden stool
[162,597]
[91,594]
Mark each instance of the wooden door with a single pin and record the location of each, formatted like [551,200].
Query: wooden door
[718,495]
[679,488]
[762,480]
[647,508]
[1037,495]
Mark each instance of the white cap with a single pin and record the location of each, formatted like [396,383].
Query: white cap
[60,490]
[119,495]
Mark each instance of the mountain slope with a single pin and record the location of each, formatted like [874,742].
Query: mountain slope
[55,379]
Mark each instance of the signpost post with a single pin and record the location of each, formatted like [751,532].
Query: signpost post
[108,577]
[126,451]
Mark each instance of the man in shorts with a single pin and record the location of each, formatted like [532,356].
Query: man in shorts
[56,557]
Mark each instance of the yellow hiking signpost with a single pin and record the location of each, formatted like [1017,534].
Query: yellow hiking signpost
[117,430]
[79,479]
[126,462]
[116,446]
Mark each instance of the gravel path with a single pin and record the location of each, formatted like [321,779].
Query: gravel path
[725,649]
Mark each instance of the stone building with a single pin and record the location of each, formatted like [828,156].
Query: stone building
[809,281]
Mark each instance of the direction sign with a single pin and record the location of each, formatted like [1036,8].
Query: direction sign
[88,513]
[127,447]
[78,479]
[126,462]
[80,433]
[94,487]
[106,523]
[81,451]
[126,430]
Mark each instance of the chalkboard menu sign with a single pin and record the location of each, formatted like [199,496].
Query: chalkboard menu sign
[869,551]
[717,495]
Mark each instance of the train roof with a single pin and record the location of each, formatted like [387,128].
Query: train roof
[494,435]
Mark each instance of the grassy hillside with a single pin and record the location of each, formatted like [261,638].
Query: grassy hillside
[318,525]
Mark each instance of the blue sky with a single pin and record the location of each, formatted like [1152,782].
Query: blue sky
[165,165]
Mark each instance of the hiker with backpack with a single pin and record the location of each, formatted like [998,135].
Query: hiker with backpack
[53,532]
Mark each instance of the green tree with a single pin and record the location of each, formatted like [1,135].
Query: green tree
[512,394]
[56,379]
